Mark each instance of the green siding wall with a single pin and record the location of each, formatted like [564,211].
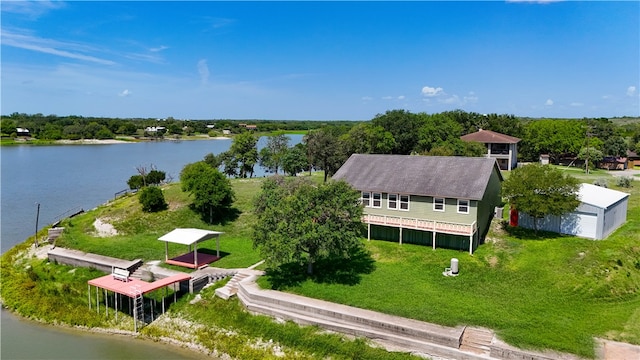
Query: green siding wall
[486,206]
[422,207]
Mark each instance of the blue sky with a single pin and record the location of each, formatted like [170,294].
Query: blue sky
[320,60]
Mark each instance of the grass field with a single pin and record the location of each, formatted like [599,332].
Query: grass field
[545,291]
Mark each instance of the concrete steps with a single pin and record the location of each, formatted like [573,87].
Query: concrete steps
[477,341]
[231,288]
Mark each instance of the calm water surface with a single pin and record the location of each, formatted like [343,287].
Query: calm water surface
[62,179]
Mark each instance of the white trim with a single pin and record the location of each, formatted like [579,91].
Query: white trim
[373,200]
[368,199]
[436,203]
[408,202]
[467,206]
[396,201]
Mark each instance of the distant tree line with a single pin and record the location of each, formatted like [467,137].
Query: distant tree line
[327,144]
[53,127]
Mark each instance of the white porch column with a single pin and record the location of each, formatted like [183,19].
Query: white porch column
[471,244]
[369,231]
[218,245]
[195,254]
[400,235]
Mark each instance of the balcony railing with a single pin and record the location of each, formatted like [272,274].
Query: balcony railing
[421,224]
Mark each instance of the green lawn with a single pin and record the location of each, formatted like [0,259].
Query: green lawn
[545,291]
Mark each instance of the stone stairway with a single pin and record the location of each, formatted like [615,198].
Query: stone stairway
[231,288]
[476,340]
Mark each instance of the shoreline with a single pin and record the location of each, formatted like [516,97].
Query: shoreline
[120,140]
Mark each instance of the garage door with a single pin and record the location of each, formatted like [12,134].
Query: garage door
[579,224]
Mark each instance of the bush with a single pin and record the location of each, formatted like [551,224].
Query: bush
[135,182]
[152,199]
[602,182]
[624,181]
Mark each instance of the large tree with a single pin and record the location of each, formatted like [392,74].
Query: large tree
[271,156]
[245,151]
[300,221]
[211,190]
[541,190]
[324,150]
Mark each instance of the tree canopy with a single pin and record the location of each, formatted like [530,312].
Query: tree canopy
[541,190]
[299,221]
[211,190]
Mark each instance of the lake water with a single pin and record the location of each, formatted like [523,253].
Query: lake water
[63,179]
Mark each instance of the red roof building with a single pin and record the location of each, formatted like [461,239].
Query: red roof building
[503,148]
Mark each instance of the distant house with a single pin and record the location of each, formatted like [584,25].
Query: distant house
[226,132]
[633,159]
[211,126]
[600,212]
[252,127]
[613,163]
[155,129]
[438,201]
[503,148]
[22,132]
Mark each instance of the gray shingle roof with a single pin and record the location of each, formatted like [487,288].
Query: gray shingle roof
[439,176]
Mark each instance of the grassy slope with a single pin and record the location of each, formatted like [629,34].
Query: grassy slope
[553,292]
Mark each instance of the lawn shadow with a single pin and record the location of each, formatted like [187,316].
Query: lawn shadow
[220,217]
[330,270]
[528,234]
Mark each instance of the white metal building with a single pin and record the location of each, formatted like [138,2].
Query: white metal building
[600,212]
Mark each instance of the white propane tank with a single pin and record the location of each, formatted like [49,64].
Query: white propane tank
[454,266]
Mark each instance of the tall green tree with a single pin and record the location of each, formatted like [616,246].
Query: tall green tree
[272,154]
[324,150]
[211,191]
[295,160]
[403,125]
[541,190]
[299,221]
[553,137]
[244,150]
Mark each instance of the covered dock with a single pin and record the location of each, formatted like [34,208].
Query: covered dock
[191,237]
[132,288]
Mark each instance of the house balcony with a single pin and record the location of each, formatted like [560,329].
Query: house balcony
[422,224]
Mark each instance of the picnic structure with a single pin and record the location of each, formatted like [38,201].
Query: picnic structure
[428,200]
[191,237]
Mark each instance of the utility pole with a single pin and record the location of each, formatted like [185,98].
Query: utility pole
[37,217]
[587,160]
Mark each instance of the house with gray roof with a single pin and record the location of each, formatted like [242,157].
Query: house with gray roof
[440,201]
[503,148]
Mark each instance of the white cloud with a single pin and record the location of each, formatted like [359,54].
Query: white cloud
[49,46]
[454,99]
[32,9]
[471,97]
[401,97]
[367,98]
[387,97]
[159,48]
[577,104]
[125,93]
[631,91]
[430,91]
[549,102]
[203,70]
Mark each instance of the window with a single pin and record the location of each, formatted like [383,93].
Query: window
[438,204]
[392,201]
[377,200]
[366,199]
[463,206]
[404,202]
